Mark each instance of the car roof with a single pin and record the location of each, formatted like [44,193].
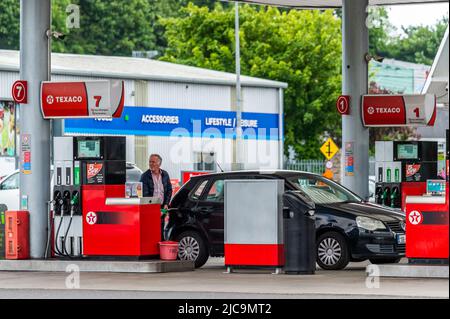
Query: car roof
[279,172]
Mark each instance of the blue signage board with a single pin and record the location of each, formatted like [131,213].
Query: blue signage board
[179,122]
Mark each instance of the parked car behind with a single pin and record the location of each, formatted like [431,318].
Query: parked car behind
[347,228]
[9,186]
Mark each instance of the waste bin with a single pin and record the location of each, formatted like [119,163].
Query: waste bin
[299,233]
[2,231]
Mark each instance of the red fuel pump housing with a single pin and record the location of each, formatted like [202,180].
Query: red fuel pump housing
[412,189]
[118,230]
[427,227]
[17,229]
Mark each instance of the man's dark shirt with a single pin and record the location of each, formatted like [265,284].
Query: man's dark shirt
[148,187]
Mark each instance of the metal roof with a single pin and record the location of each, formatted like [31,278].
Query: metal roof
[437,81]
[331,3]
[135,68]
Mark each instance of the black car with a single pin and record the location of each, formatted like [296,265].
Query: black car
[347,228]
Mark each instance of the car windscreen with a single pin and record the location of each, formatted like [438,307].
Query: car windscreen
[321,190]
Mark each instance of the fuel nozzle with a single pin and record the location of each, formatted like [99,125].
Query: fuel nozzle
[56,202]
[75,198]
[65,201]
[385,196]
[74,202]
[394,196]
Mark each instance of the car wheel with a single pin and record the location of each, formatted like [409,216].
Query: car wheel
[191,246]
[332,251]
[378,261]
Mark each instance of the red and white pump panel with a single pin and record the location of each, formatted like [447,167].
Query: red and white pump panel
[90,99]
[398,110]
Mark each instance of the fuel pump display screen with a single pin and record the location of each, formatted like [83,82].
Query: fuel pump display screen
[89,149]
[407,151]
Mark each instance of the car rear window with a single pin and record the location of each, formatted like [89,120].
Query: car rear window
[199,190]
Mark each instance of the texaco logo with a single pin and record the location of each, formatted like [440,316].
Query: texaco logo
[370,110]
[91,218]
[415,217]
[50,99]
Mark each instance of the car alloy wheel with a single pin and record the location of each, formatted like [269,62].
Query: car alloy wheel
[329,251]
[192,246]
[332,251]
[188,248]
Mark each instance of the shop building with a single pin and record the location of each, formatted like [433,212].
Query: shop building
[185,114]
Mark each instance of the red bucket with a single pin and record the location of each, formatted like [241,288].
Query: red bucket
[168,250]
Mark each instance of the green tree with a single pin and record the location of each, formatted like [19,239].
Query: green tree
[380,30]
[9,24]
[113,27]
[302,48]
[107,27]
[419,44]
[170,8]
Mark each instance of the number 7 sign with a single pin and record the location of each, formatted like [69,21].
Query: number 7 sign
[19,92]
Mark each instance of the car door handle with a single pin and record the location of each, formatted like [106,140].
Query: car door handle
[205,210]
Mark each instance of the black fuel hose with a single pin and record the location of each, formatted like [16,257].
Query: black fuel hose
[67,232]
[57,232]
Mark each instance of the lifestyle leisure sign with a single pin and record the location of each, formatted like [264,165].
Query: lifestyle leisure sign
[170,121]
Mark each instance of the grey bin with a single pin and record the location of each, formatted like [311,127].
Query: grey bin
[2,231]
[299,233]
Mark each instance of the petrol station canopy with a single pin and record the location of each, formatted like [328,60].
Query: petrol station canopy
[331,3]
[437,81]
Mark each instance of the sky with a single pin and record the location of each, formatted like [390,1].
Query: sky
[416,14]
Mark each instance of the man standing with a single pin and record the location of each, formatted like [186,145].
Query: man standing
[156,182]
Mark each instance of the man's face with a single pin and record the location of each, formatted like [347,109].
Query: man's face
[154,163]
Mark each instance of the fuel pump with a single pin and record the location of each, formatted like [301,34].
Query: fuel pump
[91,216]
[81,162]
[66,217]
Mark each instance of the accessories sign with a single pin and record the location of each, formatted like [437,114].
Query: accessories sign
[398,110]
[97,99]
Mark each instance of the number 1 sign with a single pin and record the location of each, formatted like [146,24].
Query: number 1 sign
[399,110]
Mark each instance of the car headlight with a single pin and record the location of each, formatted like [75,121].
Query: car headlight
[369,223]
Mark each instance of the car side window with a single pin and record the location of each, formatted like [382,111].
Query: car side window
[199,190]
[216,192]
[11,183]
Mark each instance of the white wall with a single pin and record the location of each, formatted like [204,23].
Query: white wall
[6,82]
[260,100]
[189,96]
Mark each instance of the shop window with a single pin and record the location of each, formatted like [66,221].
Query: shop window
[205,161]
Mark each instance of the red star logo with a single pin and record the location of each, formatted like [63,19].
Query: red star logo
[91,218]
[415,217]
